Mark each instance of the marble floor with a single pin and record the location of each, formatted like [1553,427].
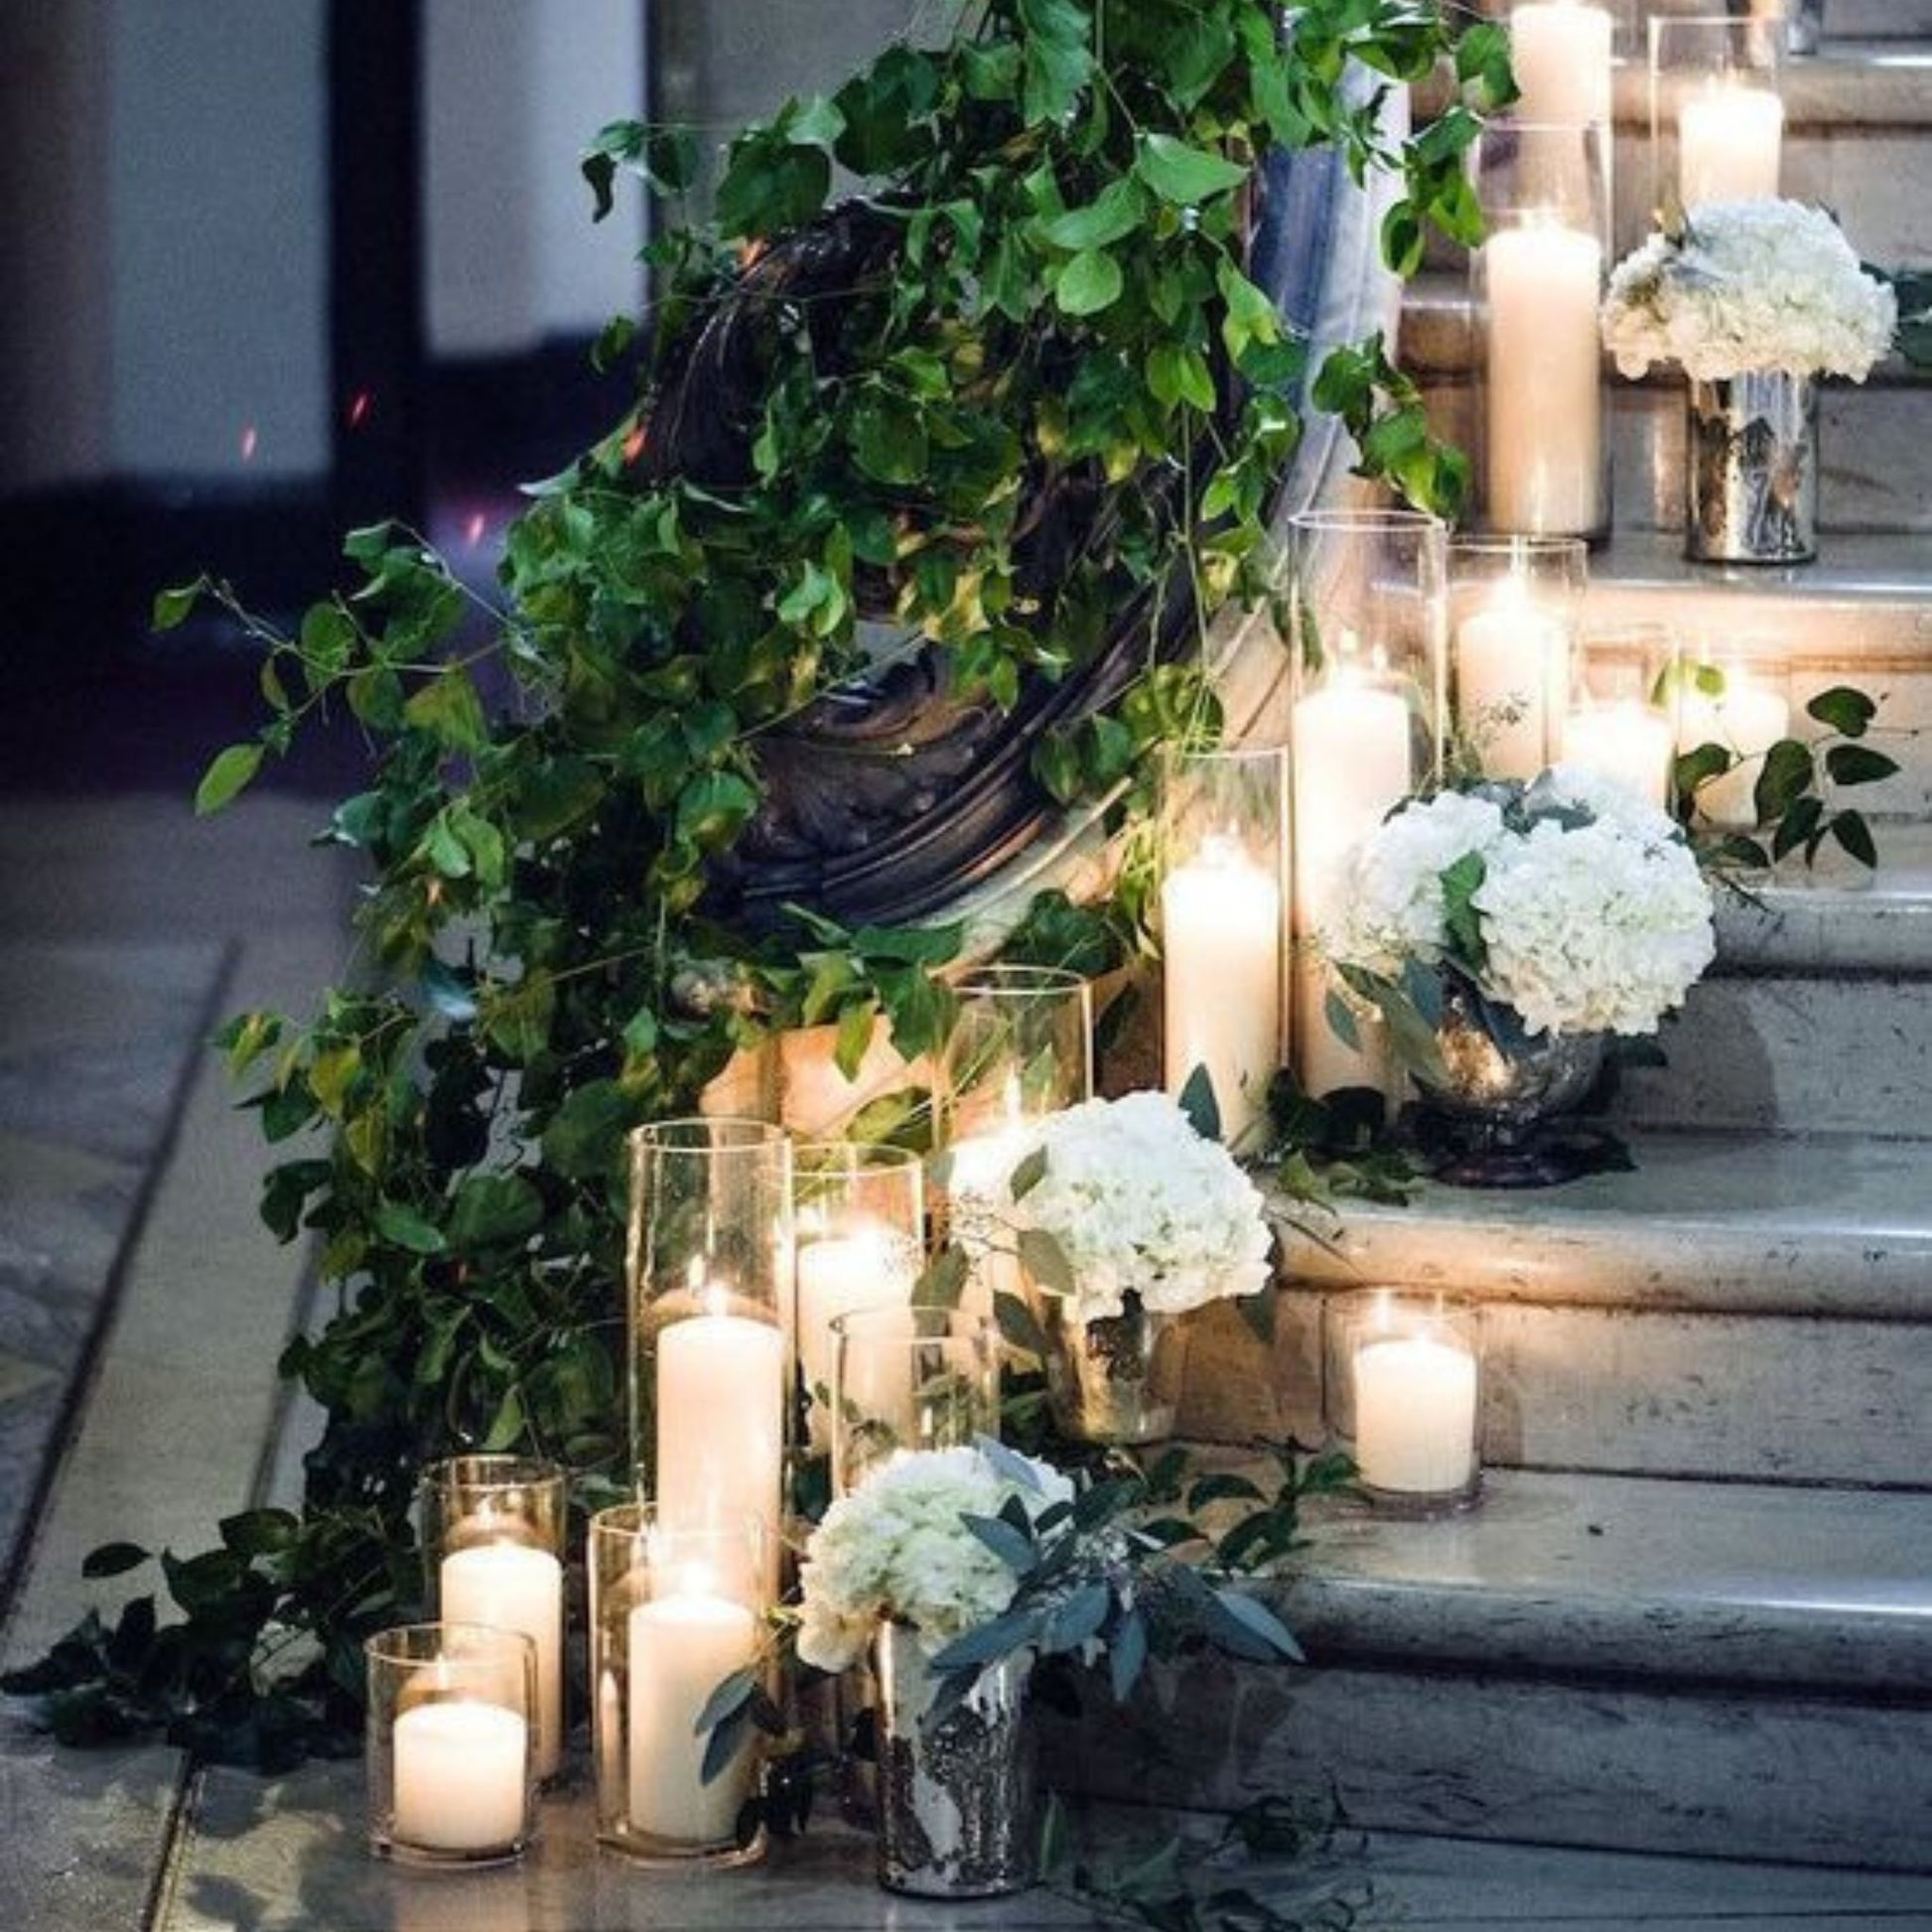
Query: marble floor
[132,921]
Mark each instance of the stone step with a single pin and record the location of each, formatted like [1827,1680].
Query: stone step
[1741,1306]
[1696,1667]
[1855,20]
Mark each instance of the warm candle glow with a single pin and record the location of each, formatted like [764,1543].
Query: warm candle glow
[1730,141]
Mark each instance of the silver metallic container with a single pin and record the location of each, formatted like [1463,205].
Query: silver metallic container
[1751,469]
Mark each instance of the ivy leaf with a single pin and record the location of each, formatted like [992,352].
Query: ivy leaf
[889,440]
[397,1223]
[1183,175]
[1858,764]
[173,608]
[226,776]
[1089,283]
[583,1135]
[494,1208]
[1198,1103]
[112,1560]
[1855,835]
[1115,213]
[448,708]
[1789,773]
[1058,58]
[1845,709]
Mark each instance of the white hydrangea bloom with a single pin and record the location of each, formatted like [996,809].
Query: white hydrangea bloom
[1393,910]
[1596,920]
[1749,286]
[1594,929]
[897,1546]
[1138,1199]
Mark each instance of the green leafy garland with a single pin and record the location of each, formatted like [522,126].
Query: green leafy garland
[560,784]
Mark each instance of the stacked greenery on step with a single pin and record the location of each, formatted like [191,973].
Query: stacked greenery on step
[549,951]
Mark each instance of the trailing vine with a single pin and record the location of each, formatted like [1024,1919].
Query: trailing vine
[1050,304]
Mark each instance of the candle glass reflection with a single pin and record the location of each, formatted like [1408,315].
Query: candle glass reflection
[1020,1048]
[710,1280]
[1537,281]
[1223,930]
[859,1221]
[450,1729]
[1717,118]
[1515,604]
[1404,1381]
[909,1379]
[1622,716]
[1732,706]
[492,1541]
[1368,611]
[670,1620]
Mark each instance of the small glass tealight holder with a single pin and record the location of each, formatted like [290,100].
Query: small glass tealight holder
[671,1623]
[1224,930]
[449,1740]
[1736,702]
[1515,604]
[492,1538]
[1404,1379]
[1621,722]
[860,1215]
[910,1379]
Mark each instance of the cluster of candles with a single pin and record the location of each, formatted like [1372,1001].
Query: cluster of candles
[1545,177]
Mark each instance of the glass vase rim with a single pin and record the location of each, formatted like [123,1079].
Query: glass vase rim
[1386,518]
[1013,981]
[741,1133]
[395,1644]
[1525,543]
[453,1471]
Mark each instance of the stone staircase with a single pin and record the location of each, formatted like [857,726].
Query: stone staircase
[1694,1610]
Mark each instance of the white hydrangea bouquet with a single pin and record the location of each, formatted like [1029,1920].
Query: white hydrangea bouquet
[1571,903]
[1746,286]
[1125,1197]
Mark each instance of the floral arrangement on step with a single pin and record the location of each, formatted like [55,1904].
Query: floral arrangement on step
[1743,286]
[1127,1197]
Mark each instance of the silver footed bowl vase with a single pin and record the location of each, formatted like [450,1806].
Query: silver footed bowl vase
[1509,1093]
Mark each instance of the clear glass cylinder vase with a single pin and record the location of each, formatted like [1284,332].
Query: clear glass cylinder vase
[492,1538]
[1717,113]
[1516,607]
[711,1278]
[1620,722]
[1224,930]
[1537,281]
[670,1622]
[909,1379]
[859,1223]
[451,1729]
[1368,605]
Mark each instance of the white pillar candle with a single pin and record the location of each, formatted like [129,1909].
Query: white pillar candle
[461,1774]
[1748,721]
[1414,1415]
[1544,398]
[1729,142]
[682,1647]
[509,1585]
[978,1189]
[1561,54]
[721,1400]
[1351,763]
[1221,980]
[844,1274]
[1512,680]
[1622,740]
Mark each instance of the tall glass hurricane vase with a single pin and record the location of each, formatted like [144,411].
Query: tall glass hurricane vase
[1369,619]
[710,1269]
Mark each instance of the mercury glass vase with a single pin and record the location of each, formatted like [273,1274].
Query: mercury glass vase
[1116,1379]
[956,1811]
[1751,469]
[1507,1093]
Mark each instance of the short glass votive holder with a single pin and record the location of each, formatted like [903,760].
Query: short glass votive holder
[860,1214]
[492,1540]
[1717,116]
[670,1622]
[1515,604]
[1404,1374]
[1732,705]
[451,1729]
[910,1379]
[1224,930]
[1622,715]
